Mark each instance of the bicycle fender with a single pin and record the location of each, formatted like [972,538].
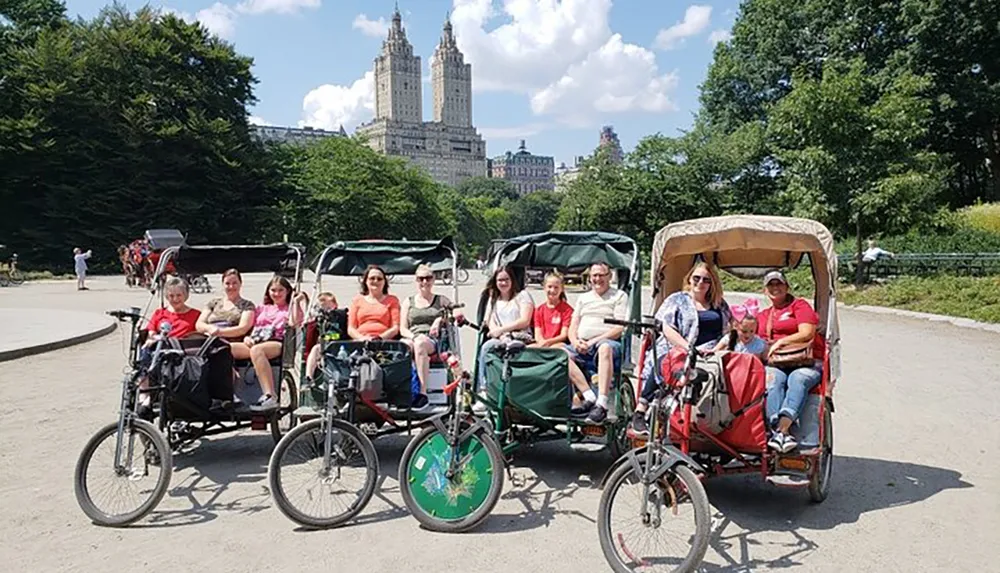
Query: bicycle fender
[632,457]
[674,458]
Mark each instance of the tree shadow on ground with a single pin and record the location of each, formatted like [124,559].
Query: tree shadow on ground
[747,509]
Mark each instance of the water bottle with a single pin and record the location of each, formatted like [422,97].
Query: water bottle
[342,355]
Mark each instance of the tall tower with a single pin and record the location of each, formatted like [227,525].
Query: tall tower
[397,77]
[451,80]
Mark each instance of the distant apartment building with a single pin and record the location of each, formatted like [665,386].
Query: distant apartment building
[608,140]
[293,134]
[524,170]
[565,174]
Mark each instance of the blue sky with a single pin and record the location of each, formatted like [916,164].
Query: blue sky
[548,71]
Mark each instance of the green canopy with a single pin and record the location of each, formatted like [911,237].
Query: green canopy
[566,250]
[350,258]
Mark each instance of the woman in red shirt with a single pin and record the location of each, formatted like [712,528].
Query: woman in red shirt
[182,319]
[551,319]
[788,321]
[374,314]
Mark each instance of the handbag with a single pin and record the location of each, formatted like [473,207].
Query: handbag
[794,355]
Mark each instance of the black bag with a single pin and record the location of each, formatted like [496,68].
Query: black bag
[189,376]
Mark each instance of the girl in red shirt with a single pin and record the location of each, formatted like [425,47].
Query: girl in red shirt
[551,319]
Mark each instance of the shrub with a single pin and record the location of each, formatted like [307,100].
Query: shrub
[982,217]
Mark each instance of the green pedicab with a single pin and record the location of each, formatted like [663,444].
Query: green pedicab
[444,470]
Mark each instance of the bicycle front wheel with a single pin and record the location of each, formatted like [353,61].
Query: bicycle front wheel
[132,489]
[669,532]
[457,503]
[463,276]
[317,494]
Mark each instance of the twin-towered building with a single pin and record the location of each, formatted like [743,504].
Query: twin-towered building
[448,147]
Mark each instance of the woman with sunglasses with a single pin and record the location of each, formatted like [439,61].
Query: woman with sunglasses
[420,326]
[698,311]
[373,314]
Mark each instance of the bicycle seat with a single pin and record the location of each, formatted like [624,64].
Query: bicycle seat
[509,348]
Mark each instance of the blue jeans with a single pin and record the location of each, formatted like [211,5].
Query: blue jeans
[787,391]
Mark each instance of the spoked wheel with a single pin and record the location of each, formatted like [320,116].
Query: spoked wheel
[819,481]
[283,419]
[619,442]
[459,502]
[671,534]
[463,276]
[117,496]
[15,277]
[313,493]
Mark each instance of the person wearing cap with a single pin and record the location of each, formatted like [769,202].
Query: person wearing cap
[697,312]
[789,320]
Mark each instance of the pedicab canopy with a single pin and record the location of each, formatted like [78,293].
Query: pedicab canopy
[351,258]
[574,251]
[280,258]
[160,239]
[751,241]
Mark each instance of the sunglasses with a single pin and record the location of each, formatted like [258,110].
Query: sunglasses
[425,278]
[696,279]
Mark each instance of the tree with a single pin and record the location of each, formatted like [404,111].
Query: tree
[851,156]
[123,123]
[496,190]
[534,213]
[340,189]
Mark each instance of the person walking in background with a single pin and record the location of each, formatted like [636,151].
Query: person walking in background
[871,256]
[80,266]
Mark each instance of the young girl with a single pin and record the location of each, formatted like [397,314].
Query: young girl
[551,320]
[264,341]
[747,341]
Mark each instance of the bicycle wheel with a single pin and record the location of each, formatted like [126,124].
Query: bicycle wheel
[330,495]
[463,276]
[457,504]
[283,420]
[15,277]
[624,531]
[150,449]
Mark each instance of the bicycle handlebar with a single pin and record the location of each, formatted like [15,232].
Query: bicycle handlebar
[640,324]
[123,314]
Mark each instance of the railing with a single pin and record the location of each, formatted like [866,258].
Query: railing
[925,264]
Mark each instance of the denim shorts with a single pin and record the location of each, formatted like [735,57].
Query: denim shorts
[588,362]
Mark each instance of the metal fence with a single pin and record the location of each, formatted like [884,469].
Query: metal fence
[924,264]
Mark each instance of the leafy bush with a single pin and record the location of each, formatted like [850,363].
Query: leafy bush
[961,240]
[982,217]
[975,298]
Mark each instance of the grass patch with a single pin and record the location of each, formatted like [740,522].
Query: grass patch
[977,298]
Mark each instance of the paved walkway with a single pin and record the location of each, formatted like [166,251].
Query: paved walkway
[28,331]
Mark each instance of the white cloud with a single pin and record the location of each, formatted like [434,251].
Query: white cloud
[719,35]
[375,28]
[616,78]
[330,106]
[696,20]
[275,6]
[535,47]
[515,132]
[257,120]
[218,19]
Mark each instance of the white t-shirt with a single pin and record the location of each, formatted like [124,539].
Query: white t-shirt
[593,309]
[506,312]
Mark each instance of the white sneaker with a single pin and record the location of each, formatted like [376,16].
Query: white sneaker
[777,442]
[266,402]
[788,443]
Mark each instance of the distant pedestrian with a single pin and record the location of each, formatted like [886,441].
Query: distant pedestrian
[80,266]
[871,256]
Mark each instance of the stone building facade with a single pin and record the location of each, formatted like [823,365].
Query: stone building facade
[449,147]
[293,134]
[525,171]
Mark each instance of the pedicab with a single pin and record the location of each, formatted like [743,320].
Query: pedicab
[162,239]
[451,474]
[191,387]
[665,471]
[323,473]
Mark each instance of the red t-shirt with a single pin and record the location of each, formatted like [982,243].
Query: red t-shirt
[181,324]
[787,322]
[552,320]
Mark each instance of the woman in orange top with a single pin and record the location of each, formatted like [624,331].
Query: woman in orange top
[374,314]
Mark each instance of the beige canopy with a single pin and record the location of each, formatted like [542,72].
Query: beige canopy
[761,241]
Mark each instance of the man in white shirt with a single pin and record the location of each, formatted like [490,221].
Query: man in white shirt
[594,345]
[80,266]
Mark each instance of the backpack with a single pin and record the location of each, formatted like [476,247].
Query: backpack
[189,376]
[712,408]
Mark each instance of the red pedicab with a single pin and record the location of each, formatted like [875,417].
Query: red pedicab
[683,448]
